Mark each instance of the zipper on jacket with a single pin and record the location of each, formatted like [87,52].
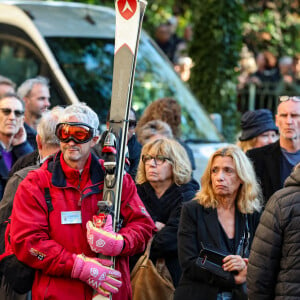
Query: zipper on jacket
[78,187]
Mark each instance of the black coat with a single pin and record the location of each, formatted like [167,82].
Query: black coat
[134,151]
[200,225]
[167,210]
[274,263]
[266,161]
[25,161]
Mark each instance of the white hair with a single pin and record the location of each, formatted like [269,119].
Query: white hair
[82,112]
[47,125]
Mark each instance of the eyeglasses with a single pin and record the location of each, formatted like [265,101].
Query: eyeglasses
[287,98]
[132,123]
[80,133]
[158,159]
[8,111]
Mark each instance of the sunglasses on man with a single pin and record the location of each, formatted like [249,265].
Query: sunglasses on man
[79,133]
[287,98]
[132,124]
[8,111]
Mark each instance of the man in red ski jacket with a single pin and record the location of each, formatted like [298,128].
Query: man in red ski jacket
[62,243]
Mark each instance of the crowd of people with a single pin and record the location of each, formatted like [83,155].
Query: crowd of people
[269,73]
[231,235]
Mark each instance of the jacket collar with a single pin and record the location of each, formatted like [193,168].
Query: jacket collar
[62,174]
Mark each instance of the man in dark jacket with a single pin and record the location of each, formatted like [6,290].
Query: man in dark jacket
[274,262]
[273,163]
[13,142]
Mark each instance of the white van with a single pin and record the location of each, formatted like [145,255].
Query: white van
[73,44]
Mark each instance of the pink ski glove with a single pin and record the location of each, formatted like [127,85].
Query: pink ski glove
[97,274]
[104,240]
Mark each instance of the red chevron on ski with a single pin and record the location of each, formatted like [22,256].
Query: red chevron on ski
[127,8]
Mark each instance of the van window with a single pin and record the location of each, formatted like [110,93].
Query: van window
[81,38]
[88,65]
[20,60]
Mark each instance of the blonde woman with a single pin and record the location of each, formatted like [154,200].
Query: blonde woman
[163,184]
[223,218]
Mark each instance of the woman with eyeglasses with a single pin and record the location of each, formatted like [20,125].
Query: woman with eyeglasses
[163,184]
[217,228]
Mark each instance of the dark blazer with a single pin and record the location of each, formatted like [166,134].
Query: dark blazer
[200,225]
[266,161]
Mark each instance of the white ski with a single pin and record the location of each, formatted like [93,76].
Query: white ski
[129,17]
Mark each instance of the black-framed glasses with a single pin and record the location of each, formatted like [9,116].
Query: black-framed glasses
[158,159]
[132,123]
[80,133]
[287,98]
[7,111]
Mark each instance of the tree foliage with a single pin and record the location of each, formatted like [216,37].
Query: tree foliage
[273,25]
[215,51]
[220,27]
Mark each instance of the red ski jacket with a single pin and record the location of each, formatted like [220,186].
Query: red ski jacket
[42,240]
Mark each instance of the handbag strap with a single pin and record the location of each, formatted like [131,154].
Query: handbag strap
[142,261]
[243,247]
[148,248]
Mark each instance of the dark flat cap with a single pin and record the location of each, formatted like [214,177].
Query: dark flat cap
[256,122]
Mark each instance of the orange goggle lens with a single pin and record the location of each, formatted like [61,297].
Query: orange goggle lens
[80,133]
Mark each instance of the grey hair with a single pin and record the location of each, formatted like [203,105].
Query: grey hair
[12,95]
[82,112]
[7,81]
[47,125]
[26,87]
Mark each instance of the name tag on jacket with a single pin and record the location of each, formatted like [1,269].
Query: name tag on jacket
[71,217]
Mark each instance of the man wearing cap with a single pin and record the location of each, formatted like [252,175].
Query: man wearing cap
[258,129]
[62,243]
[273,163]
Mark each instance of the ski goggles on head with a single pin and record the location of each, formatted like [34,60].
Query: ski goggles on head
[287,98]
[80,133]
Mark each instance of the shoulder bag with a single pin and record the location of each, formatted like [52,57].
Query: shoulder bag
[151,282]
